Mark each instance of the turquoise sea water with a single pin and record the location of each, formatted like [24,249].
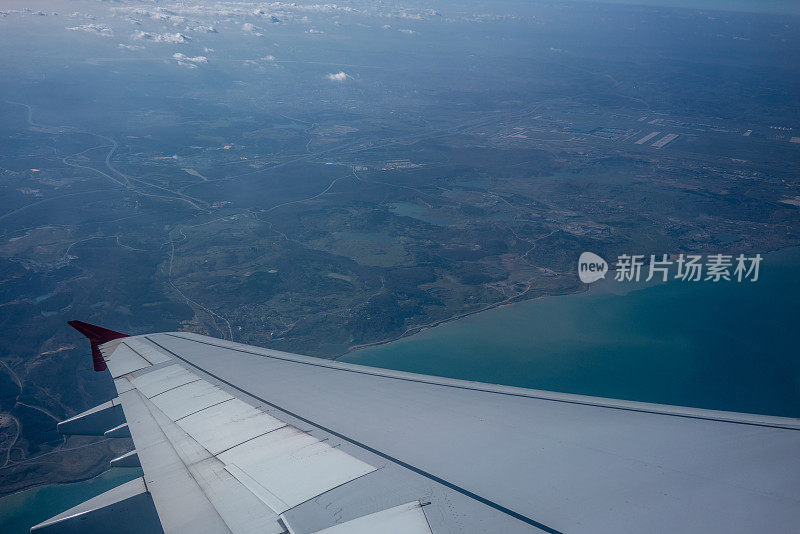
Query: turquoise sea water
[20,511]
[729,346]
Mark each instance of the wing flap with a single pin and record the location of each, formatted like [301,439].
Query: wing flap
[407,518]
[160,380]
[147,351]
[223,426]
[124,361]
[189,398]
[294,466]
[236,505]
[181,504]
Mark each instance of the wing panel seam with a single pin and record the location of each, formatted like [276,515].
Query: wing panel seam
[566,401]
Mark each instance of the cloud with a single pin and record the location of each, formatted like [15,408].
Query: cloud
[174,38]
[159,13]
[340,76]
[130,47]
[252,28]
[407,31]
[76,14]
[183,59]
[312,30]
[168,17]
[275,11]
[203,29]
[270,57]
[260,12]
[99,29]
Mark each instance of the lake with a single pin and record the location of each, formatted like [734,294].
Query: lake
[727,345]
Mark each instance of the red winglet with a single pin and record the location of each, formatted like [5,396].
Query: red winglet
[97,336]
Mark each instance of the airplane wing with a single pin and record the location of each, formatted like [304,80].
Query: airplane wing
[236,438]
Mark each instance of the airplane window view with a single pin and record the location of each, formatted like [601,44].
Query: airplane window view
[395,266]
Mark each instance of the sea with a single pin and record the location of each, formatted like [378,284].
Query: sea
[22,510]
[719,345]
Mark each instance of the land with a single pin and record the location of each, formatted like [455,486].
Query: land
[448,172]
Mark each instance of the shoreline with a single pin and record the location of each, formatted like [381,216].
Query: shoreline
[40,485]
[29,506]
[517,299]
[410,332]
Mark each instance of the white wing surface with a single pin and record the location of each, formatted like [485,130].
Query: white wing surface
[235,438]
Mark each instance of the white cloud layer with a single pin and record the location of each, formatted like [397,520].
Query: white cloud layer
[183,58]
[203,29]
[252,28]
[99,29]
[174,38]
[340,76]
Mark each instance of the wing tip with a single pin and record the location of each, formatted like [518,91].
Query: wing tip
[97,335]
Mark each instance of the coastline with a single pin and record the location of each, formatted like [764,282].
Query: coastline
[724,346]
[601,287]
[411,332]
[607,285]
